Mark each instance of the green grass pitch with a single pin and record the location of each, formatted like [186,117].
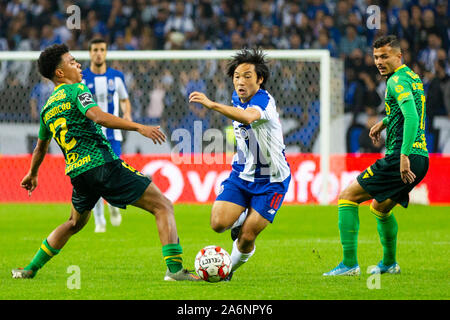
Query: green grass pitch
[291,255]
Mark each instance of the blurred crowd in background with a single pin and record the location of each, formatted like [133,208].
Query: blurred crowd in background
[337,25]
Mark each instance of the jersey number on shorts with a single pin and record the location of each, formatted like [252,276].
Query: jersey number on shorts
[275,203]
[66,145]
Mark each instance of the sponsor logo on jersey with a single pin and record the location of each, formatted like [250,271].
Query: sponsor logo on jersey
[71,157]
[86,99]
[403,96]
[79,163]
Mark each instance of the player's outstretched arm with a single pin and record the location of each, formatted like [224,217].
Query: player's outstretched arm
[246,116]
[110,121]
[30,181]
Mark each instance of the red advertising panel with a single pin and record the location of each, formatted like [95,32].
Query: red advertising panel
[197,179]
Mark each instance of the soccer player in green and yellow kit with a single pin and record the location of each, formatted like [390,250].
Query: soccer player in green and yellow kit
[390,179]
[74,120]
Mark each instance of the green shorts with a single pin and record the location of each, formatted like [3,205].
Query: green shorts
[382,180]
[115,181]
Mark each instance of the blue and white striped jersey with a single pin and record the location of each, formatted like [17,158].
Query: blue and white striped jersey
[260,147]
[108,89]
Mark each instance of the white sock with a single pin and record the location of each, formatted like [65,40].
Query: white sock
[114,215]
[240,220]
[238,258]
[99,215]
[113,210]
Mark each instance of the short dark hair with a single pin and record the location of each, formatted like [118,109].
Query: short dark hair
[50,58]
[390,40]
[253,56]
[96,40]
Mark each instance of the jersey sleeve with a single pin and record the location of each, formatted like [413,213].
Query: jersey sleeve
[121,87]
[401,90]
[44,133]
[261,102]
[84,99]
[410,126]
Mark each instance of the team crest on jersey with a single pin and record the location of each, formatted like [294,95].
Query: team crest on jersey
[85,99]
[111,85]
[244,133]
[398,88]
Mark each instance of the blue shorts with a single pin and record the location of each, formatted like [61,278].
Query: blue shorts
[265,197]
[116,146]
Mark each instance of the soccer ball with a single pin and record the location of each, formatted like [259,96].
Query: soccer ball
[213,264]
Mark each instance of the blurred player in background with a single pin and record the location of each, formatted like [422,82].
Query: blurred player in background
[253,193]
[390,179]
[108,87]
[72,117]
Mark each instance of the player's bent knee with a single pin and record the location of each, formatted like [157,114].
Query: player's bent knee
[167,204]
[162,206]
[345,195]
[382,210]
[77,221]
[217,222]
[75,225]
[217,225]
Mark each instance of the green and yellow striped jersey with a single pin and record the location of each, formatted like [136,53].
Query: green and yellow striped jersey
[81,140]
[404,85]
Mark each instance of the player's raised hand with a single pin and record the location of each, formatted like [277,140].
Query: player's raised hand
[200,98]
[29,182]
[405,171]
[375,132]
[153,133]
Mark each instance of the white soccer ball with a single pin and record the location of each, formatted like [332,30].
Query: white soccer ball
[213,264]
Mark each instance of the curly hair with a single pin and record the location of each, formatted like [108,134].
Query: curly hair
[50,58]
[255,57]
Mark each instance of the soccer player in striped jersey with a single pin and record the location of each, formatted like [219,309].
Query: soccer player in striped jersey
[389,180]
[72,117]
[260,176]
[108,87]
